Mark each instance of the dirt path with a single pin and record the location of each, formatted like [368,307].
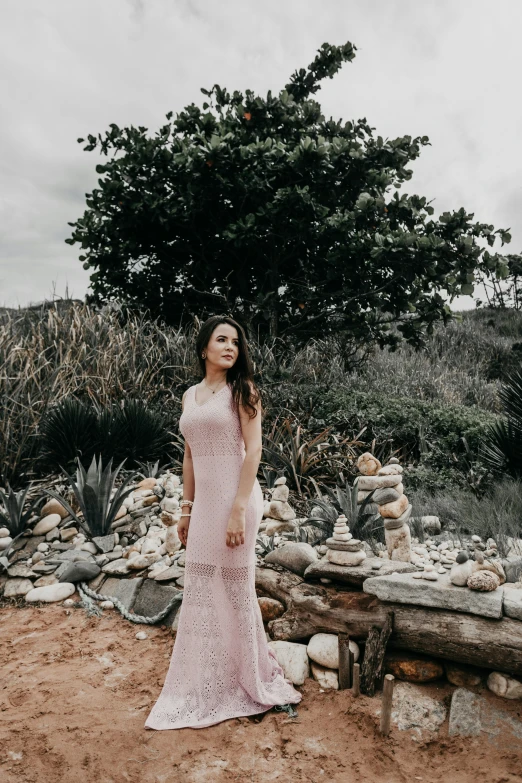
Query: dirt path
[76,691]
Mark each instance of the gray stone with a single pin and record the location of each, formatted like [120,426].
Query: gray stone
[512,602]
[356,575]
[32,544]
[104,543]
[413,710]
[17,586]
[21,569]
[153,597]
[512,566]
[120,566]
[295,556]
[173,572]
[70,555]
[125,590]
[385,495]
[404,589]
[44,568]
[391,524]
[377,482]
[472,716]
[79,571]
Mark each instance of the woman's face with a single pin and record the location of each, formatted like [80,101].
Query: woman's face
[223,347]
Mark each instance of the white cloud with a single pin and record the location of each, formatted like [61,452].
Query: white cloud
[436,68]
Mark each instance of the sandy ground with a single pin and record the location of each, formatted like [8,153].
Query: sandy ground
[75,693]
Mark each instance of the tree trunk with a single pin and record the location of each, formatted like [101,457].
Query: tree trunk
[466,638]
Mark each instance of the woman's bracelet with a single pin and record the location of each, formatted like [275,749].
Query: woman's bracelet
[187,503]
[184,515]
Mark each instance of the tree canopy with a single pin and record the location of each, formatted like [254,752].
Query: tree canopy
[290,222]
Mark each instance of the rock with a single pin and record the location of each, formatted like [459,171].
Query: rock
[79,572]
[390,470]
[403,588]
[513,601]
[172,572]
[17,586]
[377,482]
[53,506]
[431,524]
[483,581]
[327,678]
[51,593]
[472,716]
[385,495]
[153,597]
[398,543]
[395,509]
[283,512]
[124,590]
[412,709]
[412,667]
[46,524]
[368,464]
[275,527]
[281,492]
[270,608]
[293,659]
[147,483]
[43,581]
[142,561]
[5,543]
[461,675]
[346,558]
[119,566]
[512,565]
[481,564]
[21,569]
[460,573]
[295,556]
[4,532]
[358,574]
[104,543]
[504,685]
[323,648]
[393,524]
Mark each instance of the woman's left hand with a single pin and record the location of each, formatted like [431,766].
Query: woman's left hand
[236,528]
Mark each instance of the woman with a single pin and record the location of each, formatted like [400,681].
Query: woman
[221,666]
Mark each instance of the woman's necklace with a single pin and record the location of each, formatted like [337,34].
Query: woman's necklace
[210,387]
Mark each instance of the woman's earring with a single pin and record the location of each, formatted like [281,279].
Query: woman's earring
[204,356]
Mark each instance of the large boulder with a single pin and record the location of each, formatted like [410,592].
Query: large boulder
[295,556]
[323,648]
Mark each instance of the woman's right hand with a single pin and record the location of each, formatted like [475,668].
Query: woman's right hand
[183,528]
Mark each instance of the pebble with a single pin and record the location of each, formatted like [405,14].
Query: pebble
[141,635]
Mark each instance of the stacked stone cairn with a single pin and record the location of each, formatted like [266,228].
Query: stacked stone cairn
[390,501]
[343,549]
[278,515]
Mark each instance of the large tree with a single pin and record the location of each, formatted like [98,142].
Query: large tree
[293,223]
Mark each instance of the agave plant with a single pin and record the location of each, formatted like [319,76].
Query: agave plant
[264,543]
[93,490]
[304,461]
[151,470]
[361,522]
[502,447]
[14,517]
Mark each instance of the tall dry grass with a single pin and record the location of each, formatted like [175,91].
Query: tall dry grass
[70,348]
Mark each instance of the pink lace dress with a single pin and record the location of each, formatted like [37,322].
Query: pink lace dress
[221,666]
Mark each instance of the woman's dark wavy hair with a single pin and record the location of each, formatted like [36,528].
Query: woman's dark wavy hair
[241,375]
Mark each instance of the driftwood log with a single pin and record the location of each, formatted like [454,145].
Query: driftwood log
[466,638]
[372,669]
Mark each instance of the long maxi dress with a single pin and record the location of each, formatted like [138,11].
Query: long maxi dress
[221,666]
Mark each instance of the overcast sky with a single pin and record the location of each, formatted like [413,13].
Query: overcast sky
[447,69]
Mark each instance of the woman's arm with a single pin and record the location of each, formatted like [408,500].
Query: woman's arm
[189,487]
[251,429]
